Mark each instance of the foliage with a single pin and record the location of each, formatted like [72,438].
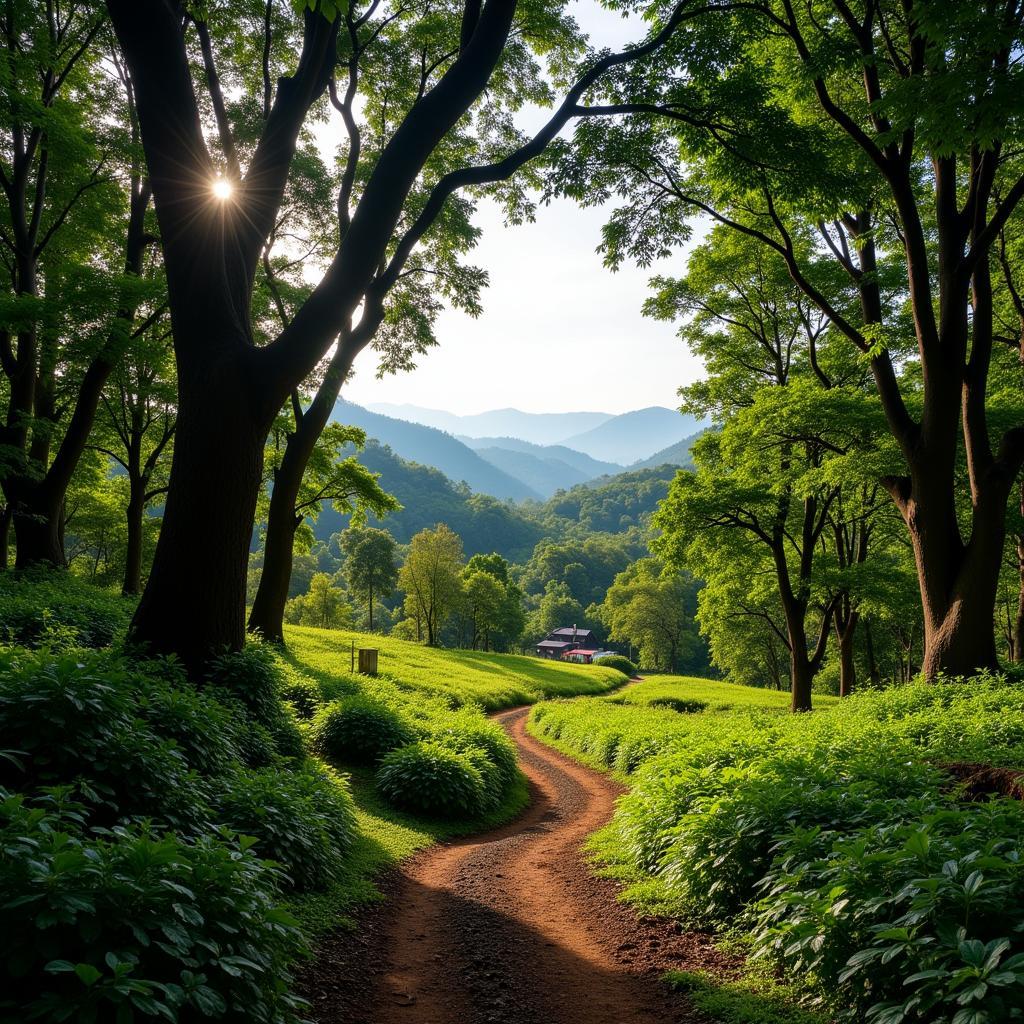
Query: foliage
[129,924]
[36,602]
[619,663]
[303,820]
[357,730]
[911,917]
[250,679]
[432,579]
[652,608]
[837,840]
[323,605]
[370,564]
[433,778]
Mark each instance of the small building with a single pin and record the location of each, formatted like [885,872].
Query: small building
[567,638]
[580,656]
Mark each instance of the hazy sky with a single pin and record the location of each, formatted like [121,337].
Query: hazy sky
[551,306]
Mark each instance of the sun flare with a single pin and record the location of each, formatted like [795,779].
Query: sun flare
[222,189]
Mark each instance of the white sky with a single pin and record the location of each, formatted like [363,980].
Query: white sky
[550,305]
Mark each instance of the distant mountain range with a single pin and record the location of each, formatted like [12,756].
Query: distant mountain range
[635,436]
[518,468]
[540,428]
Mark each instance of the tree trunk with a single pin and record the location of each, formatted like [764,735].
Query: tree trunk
[135,516]
[371,609]
[5,537]
[847,666]
[1018,623]
[194,601]
[802,674]
[958,582]
[873,671]
[267,614]
[37,518]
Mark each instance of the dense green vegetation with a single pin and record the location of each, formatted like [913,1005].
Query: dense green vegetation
[840,845]
[172,846]
[192,267]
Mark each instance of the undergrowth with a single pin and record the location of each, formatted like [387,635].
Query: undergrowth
[838,843]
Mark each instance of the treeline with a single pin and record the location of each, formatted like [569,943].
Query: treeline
[429,590]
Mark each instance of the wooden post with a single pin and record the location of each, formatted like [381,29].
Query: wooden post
[368,661]
[352,659]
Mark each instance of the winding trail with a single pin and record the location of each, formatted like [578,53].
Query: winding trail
[511,927]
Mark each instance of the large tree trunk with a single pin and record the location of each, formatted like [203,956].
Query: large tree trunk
[958,582]
[801,680]
[5,537]
[38,534]
[845,633]
[194,601]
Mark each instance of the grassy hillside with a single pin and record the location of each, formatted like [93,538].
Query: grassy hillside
[493,681]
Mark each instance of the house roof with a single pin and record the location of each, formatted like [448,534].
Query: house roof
[553,643]
[569,631]
[579,650]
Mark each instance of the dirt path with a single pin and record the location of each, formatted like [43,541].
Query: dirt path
[511,927]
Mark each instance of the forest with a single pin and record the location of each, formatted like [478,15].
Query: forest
[789,792]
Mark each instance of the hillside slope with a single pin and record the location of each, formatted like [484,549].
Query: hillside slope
[428,497]
[677,454]
[580,461]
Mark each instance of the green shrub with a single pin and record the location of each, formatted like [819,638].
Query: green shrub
[463,730]
[618,662]
[681,705]
[42,605]
[728,819]
[90,720]
[356,730]
[302,820]
[304,696]
[430,778]
[130,925]
[251,681]
[911,918]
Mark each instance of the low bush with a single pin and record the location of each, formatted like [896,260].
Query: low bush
[251,681]
[38,606]
[302,820]
[128,924]
[91,720]
[679,704]
[619,663]
[464,730]
[912,918]
[303,695]
[356,730]
[841,840]
[431,778]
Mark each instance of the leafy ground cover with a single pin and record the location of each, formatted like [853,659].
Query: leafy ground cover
[838,845]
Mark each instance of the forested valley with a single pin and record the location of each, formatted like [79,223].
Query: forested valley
[705,714]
